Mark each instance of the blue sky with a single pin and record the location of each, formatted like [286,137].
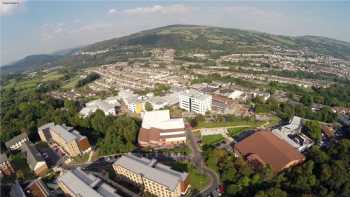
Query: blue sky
[33,27]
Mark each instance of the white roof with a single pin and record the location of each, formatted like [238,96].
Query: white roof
[151,118]
[170,124]
[195,94]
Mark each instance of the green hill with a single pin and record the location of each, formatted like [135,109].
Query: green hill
[187,38]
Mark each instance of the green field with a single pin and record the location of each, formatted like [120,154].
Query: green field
[197,180]
[212,139]
[250,123]
[55,75]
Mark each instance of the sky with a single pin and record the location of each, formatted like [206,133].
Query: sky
[45,26]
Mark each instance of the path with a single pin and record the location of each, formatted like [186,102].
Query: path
[198,162]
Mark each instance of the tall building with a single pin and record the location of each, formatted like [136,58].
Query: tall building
[159,130]
[77,183]
[195,101]
[5,165]
[66,137]
[34,159]
[155,178]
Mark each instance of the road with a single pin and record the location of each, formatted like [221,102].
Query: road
[197,160]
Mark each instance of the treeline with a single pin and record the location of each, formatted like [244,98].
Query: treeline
[287,110]
[90,78]
[25,111]
[335,95]
[325,173]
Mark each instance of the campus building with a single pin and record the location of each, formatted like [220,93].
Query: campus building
[35,160]
[5,165]
[195,101]
[155,178]
[66,137]
[77,183]
[264,148]
[159,130]
[16,142]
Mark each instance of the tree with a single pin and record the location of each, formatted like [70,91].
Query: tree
[148,106]
[312,129]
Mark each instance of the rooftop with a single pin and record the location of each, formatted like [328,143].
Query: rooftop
[152,170]
[270,149]
[32,154]
[195,94]
[16,139]
[84,184]
[65,133]
[3,157]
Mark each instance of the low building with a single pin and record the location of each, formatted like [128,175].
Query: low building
[5,165]
[291,133]
[109,106]
[263,148]
[37,188]
[157,179]
[66,137]
[35,160]
[77,183]
[16,190]
[158,129]
[195,101]
[16,142]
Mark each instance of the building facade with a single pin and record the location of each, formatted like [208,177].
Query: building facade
[5,165]
[195,101]
[66,137]
[35,160]
[154,177]
[158,129]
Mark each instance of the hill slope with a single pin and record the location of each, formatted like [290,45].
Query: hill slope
[186,38]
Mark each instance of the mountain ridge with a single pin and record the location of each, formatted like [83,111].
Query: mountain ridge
[186,38]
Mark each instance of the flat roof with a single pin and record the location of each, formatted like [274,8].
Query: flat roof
[152,170]
[16,139]
[64,133]
[195,94]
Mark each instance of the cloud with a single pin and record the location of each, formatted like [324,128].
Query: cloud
[159,9]
[7,7]
[112,11]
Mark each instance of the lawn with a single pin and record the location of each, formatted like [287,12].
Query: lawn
[212,124]
[235,131]
[212,139]
[197,180]
[51,76]
[71,83]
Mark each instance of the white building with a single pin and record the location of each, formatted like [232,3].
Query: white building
[158,129]
[291,133]
[108,106]
[195,101]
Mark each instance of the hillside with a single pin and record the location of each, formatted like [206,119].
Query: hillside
[187,38]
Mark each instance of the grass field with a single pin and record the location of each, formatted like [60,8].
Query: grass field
[197,180]
[204,124]
[212,139]
[52,76]
[235,131]
[71,83]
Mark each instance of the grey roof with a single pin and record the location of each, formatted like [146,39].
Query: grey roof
[16,139]
[84,185]
[3,157]
[64,132]
[32,154]
[152,170]
[46,126]
[16,190]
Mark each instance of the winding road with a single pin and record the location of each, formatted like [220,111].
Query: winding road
[197,161]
